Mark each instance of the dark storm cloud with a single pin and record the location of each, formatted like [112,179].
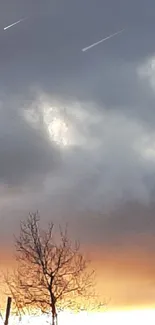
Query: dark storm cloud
[109,161]
[25,152]
[46,50]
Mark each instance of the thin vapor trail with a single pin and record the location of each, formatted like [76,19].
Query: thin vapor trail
[102,40]
[17,22]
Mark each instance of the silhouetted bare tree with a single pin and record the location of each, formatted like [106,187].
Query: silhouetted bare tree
[51,272]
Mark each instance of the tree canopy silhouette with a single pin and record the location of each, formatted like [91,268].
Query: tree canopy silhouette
[51,274]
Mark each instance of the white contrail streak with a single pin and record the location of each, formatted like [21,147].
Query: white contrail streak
[17,22]
[102,40]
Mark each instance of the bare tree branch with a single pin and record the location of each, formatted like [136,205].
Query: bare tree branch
[51,275]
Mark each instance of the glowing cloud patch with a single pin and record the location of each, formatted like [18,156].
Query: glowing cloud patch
[56,125]
[58,131]
[146,71]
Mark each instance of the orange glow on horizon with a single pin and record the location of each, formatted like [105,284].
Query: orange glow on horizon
[125,275]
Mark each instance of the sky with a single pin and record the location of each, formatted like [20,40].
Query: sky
[77,137]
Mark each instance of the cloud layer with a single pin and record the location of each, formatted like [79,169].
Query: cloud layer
[77,136]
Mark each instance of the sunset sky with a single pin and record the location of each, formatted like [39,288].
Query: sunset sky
[77,133]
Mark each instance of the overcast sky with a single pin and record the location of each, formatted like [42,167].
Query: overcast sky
[77,136]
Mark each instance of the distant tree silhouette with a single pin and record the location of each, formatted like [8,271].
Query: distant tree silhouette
[51,274]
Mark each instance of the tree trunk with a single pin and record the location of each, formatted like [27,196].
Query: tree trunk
[54,315]
[53,322]
[54,319]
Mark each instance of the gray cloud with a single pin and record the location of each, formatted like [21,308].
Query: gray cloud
[108,94]
[25,152]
